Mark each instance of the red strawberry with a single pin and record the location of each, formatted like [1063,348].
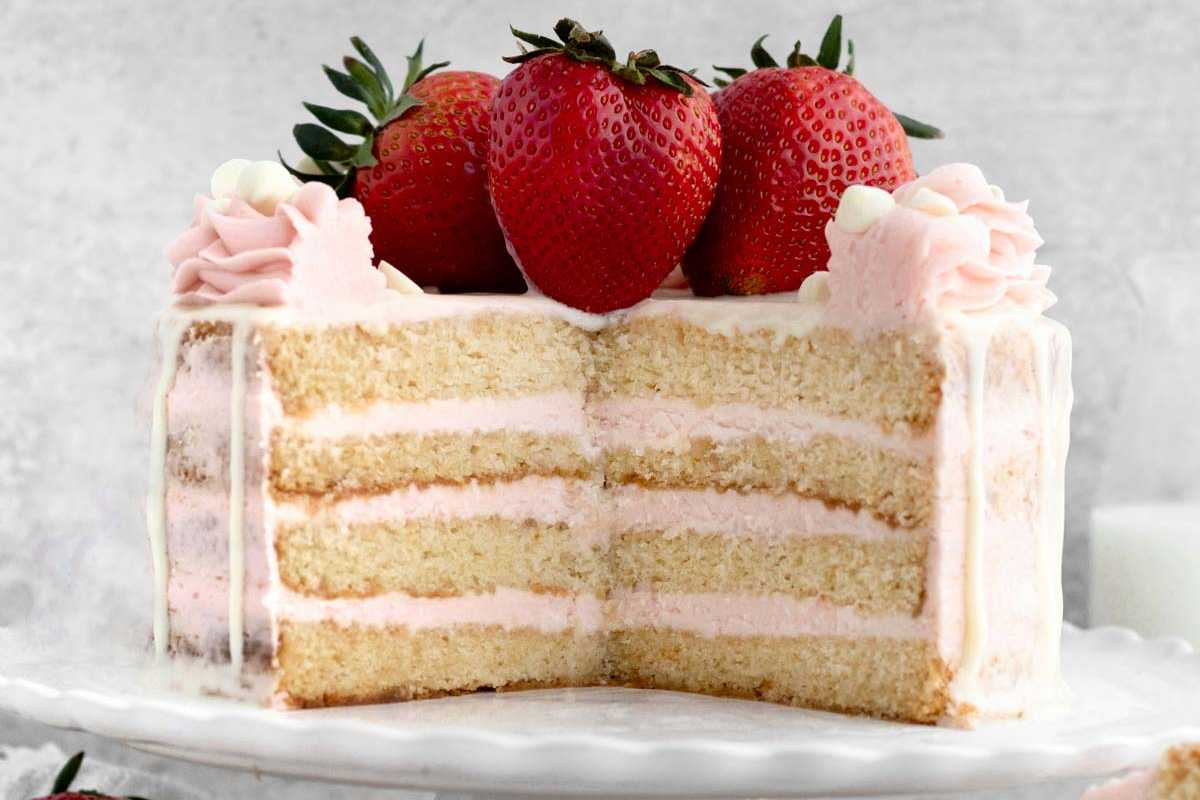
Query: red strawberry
[795,137]
[600,172]
[419,170]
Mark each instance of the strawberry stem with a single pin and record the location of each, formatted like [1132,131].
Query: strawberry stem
[368,82]
[593,47]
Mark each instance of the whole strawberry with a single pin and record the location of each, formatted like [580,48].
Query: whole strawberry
[61,790]
[601,172]
[418,171]
[794,138]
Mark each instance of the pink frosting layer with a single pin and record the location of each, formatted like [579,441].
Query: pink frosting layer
[595,517]
[1135,786]
[703,614]
[910,265]
[313,251]
[750,615]
[508,608]
[760,515]
[672,424]
[547,500]
[549,413]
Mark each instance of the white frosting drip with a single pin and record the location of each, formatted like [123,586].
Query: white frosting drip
[237,491]
[243,319]
[1055,412]
[171,332]
[972,687]
[975,632]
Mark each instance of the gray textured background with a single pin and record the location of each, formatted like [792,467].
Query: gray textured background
[114,113]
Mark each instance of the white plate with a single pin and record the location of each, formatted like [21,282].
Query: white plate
[1131,698]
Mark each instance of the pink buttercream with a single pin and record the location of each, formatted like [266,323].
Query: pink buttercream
[674,424]
[313,251]
[508,608]
[757,615]
[911,265]
[559,412]
[765,516]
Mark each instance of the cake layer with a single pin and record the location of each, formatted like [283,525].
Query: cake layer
[438,556]
[895,488]
[1178,774]
[475,355]
[381,463]
[883,677]
[324,664]
[892,379]
[546,413]
[871,576]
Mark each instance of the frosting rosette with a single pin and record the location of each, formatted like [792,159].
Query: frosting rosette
[947,241]
[313,250]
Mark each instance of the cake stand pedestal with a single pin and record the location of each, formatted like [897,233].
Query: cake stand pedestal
[1131,698]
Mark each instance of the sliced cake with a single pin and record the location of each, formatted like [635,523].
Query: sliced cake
[848,498]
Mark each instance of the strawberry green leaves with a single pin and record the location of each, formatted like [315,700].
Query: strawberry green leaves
[68,773]
[829,57]
[345,121]
[831,45]
[366,81]
[917,129]
[593,47]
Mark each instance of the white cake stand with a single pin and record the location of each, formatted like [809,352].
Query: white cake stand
[1132,698]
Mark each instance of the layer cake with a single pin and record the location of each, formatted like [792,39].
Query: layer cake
[848,499]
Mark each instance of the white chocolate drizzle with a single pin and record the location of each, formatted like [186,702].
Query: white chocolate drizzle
[237,490]
[173,326]
[171,333]
[975,630]
[1055,410]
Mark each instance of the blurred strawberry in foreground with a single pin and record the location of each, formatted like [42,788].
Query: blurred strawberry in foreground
[600,171]
[794,138]
[418,171]
[61,790]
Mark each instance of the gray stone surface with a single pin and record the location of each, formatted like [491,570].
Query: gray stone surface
[115,112]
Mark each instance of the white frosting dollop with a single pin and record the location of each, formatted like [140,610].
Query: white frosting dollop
[815,288]
[931,202]
[397,281]
[861,206]
[263,185]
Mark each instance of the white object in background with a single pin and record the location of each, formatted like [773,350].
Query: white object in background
[1131,699]
[1145,571]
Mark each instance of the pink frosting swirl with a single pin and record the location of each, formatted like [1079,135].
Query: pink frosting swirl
[911,265]
[313,251]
